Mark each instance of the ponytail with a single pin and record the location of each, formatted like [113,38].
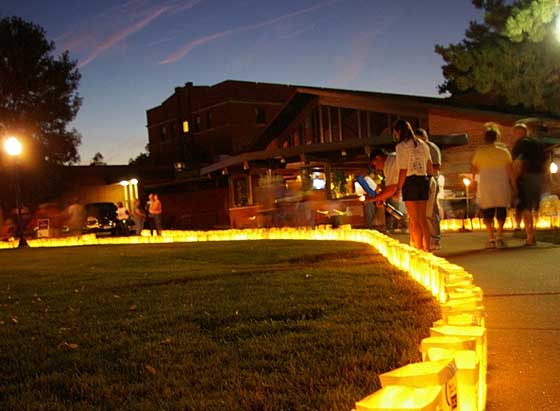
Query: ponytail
[405,131]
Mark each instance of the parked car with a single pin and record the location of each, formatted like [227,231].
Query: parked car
[101,218]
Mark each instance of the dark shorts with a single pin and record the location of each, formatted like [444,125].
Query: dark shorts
[529,191]
[499,212]
[416,188]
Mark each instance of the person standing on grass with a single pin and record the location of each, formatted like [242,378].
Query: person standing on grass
[493,164]
[432,211]
[529,168]
[149,217]
[155,212]
[415,165]
[122,218]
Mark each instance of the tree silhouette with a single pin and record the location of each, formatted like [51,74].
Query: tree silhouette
[38,91]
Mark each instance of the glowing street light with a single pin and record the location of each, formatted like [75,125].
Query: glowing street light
[553,168]
[13,148]
[467,183]
[130,189]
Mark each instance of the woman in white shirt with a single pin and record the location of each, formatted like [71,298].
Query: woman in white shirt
[415,165]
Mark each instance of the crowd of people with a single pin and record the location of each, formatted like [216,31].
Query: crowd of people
[72,219]
[147,216]
[411,176]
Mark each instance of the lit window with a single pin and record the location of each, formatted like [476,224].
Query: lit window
[185,126]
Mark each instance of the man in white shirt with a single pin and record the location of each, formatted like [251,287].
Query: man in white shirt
[432,208]
[381,160]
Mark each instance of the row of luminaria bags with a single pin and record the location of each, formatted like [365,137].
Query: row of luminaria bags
[452,374]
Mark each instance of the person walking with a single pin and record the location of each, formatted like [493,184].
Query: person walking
[155,212]
[432,207]
[415,165]
[492,163]
[139,216]
[529,169]
[76,216]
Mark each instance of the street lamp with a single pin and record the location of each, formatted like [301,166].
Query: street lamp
[13,147]
[467,183]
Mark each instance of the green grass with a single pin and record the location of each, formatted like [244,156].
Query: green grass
[269,325]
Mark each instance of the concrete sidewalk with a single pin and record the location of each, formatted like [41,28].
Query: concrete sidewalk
[522,298]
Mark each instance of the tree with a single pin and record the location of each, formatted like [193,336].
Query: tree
[97,160]
[508,60]
[142,159]
[38,91]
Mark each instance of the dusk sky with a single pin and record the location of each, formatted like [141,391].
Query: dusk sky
[133,53]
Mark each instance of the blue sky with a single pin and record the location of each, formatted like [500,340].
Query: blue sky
[133,53]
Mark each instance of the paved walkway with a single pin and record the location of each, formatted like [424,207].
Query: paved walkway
[522,298]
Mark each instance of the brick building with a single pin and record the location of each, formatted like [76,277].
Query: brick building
[242,141]
[330,132]
[197,124]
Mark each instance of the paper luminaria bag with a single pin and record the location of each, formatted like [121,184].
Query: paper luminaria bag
[367,183]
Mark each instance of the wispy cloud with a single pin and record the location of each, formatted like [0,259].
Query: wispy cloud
[122,34]
[299,32]
[357,59]
[187,48]
[105,31]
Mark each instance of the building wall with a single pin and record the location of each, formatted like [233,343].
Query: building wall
[204,209]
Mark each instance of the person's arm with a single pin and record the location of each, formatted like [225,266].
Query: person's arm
[402,162]
[429,168]
[402,177]
[511,176]
[387,193]
[474,170]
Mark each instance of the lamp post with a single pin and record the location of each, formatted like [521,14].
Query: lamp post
[467,183]
[13,147]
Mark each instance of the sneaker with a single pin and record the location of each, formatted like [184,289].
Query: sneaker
[500,243]
[490,244]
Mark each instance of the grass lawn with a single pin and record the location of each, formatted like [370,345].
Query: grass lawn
[268,325]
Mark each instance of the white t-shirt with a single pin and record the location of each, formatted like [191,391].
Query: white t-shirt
[122,213]
[413,158]
[390,170]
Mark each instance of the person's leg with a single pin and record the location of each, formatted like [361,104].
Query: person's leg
[411,210]
[157,220]
[488,218]
[529,226]
[423,226]
[369,210]
[432,213]
[501,213]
